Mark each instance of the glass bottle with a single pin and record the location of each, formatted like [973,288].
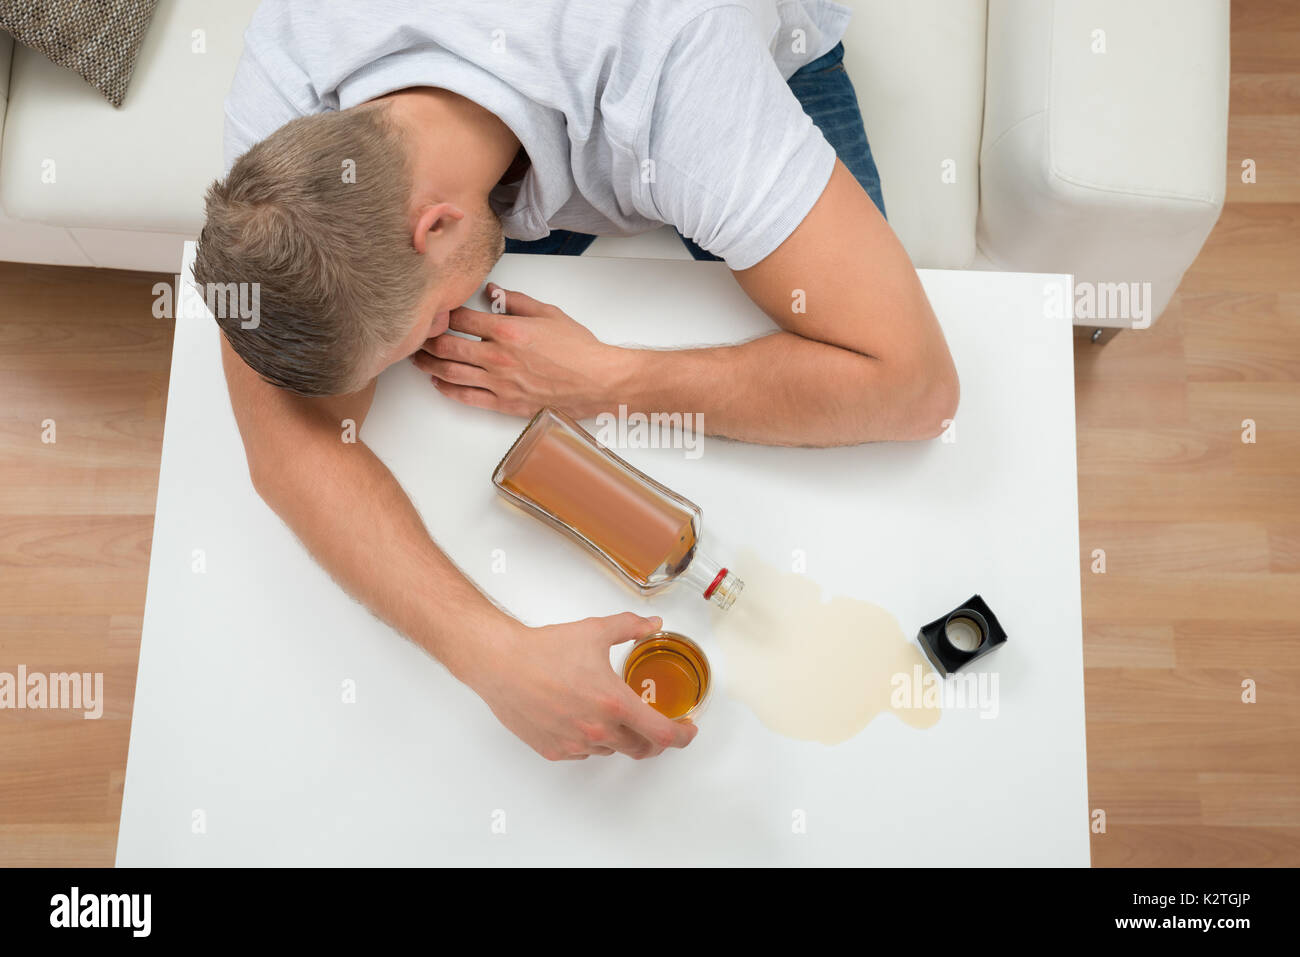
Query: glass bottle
[648,533]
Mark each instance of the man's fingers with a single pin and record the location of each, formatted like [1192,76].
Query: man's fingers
[635,745]
[644,731]
[457,348]
[479,398]
[457,373]
[660,731]
[472,322]
[517,303]
[626,626]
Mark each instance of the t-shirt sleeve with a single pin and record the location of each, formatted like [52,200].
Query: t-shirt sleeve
[257,105]
[235,142]
[734,161]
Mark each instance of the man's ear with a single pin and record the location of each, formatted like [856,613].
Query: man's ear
[434,219]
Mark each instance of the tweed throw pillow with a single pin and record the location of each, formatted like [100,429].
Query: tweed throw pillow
[96,39]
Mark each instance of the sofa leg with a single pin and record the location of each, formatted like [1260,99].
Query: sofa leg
[1103,335]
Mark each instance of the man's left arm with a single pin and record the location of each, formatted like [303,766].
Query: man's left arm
[861,356]
[862,360]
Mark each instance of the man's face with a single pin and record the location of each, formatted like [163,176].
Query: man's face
[454,280]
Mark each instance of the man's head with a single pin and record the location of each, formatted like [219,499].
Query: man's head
[356,266]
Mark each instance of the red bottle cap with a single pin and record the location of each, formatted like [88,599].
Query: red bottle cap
[708,592]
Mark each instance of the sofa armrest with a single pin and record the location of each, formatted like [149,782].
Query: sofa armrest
[1105,143]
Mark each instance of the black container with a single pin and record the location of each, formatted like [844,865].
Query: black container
[968,617]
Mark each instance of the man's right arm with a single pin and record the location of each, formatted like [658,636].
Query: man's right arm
[347,507]
[553,687]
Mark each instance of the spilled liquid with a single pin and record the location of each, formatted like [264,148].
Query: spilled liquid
[815,669]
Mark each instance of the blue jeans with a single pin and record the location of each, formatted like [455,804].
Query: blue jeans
[825,92]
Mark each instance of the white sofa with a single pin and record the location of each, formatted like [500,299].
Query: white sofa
[1030,135]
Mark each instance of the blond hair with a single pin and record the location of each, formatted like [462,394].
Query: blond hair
[338,279]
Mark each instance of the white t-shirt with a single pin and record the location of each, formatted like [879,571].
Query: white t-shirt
[634,113]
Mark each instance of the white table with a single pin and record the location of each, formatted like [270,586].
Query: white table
[239,712]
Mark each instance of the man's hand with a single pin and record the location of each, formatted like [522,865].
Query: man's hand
[530,356]
[554,688]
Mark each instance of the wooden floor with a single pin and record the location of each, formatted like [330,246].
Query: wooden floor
[78,346]
[1201,532]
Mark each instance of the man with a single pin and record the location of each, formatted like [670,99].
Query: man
[377,153]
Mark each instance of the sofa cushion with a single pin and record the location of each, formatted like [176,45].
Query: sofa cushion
[71,159]
[96,39]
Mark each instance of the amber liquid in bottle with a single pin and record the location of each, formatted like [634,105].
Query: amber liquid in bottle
[640,532]
[647,532]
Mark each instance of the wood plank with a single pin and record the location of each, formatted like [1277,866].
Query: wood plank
[1175,548]
[1250,800]
[1252,249]
[1245,597]
[1277,178]
[1175,845]
[1150,745]
[1233,643]
[1134,797]
[1225,496]
[1127,644]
